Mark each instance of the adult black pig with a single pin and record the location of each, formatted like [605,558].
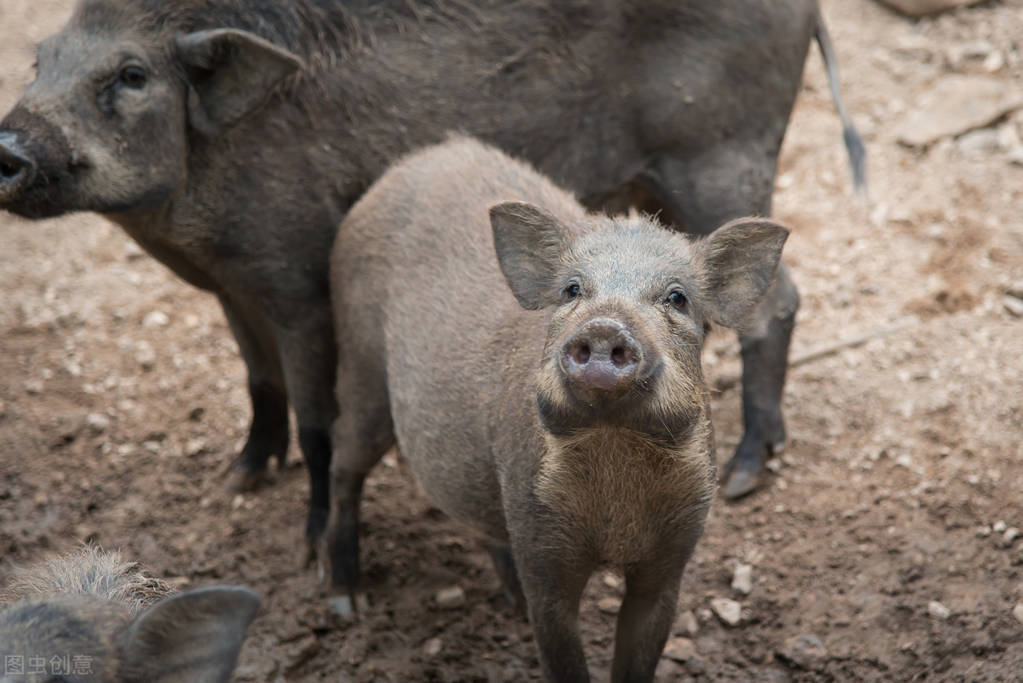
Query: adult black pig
[229,137]
[550,397]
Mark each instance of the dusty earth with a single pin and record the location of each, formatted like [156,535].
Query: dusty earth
[123,404]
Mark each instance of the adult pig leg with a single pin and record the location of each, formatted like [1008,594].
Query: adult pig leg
[268,432]
[308,358]
[699,195]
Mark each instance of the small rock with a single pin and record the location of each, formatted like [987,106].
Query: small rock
[450,598]
[955,105]
[237,501]
[993,62]
[803,651]
[97,422]
[133,251]
[608,605]
[432,647]
[3,409]
[1015,290]
[742,580]
[728,611]
[1016,155]
[1013,305]
[34,386]
[145,355]
[679,649]
[155,319]
[1017,612]
[687,622]
[1010,535]
[612,580]
[918,8]
[937,610]
[999,526]
[195,447]
[978,142]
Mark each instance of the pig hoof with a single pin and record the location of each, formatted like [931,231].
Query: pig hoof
[247,481]
[344,606]
[741,482]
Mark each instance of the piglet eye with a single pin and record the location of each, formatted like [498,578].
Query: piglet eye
[677,299]
[572,291]
[132,77]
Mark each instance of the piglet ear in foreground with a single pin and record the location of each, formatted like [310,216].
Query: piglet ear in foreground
[740,258]
[529,242]
[194,636]
[230,73]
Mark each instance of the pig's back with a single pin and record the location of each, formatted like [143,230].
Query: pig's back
[419,244]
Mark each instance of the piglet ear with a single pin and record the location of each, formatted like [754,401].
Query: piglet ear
[194,636]
[740,259]
[530,243]
[230,73]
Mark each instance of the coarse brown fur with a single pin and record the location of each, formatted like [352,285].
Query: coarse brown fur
[256,124]
[90,616]
[460,358]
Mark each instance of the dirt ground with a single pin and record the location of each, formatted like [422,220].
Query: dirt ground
[122,404]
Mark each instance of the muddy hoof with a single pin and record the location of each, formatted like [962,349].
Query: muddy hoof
[247,481]
[741,482]
[344,606]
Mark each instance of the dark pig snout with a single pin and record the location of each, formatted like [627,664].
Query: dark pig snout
[602,356]
[17,168]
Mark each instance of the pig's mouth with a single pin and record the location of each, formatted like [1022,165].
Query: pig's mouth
[37,169]
[565,411]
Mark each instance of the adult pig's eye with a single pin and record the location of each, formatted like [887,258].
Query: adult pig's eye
[132,77]
[572,291]
[678,300]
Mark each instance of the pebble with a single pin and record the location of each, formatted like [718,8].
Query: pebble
[155,319]
[450,598]
[1017,612]
[955,105]
[611,580]
[679,649]
[999,526]
[687,622]
[97,422]
[729,611]
[1010,535]
[937,610]
[608,605]
[145,355]
[433,646]
[742,580]
[918,8]
[978,142]
[1013,305]
[803,650]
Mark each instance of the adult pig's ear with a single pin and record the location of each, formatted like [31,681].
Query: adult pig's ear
[230,73]
[193,636]
[529,242]
[739,260]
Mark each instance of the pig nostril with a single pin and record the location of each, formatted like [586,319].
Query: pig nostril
[620,357]
[580,353]
[8,171]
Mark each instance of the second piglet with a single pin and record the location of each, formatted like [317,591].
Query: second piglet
[539,368]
